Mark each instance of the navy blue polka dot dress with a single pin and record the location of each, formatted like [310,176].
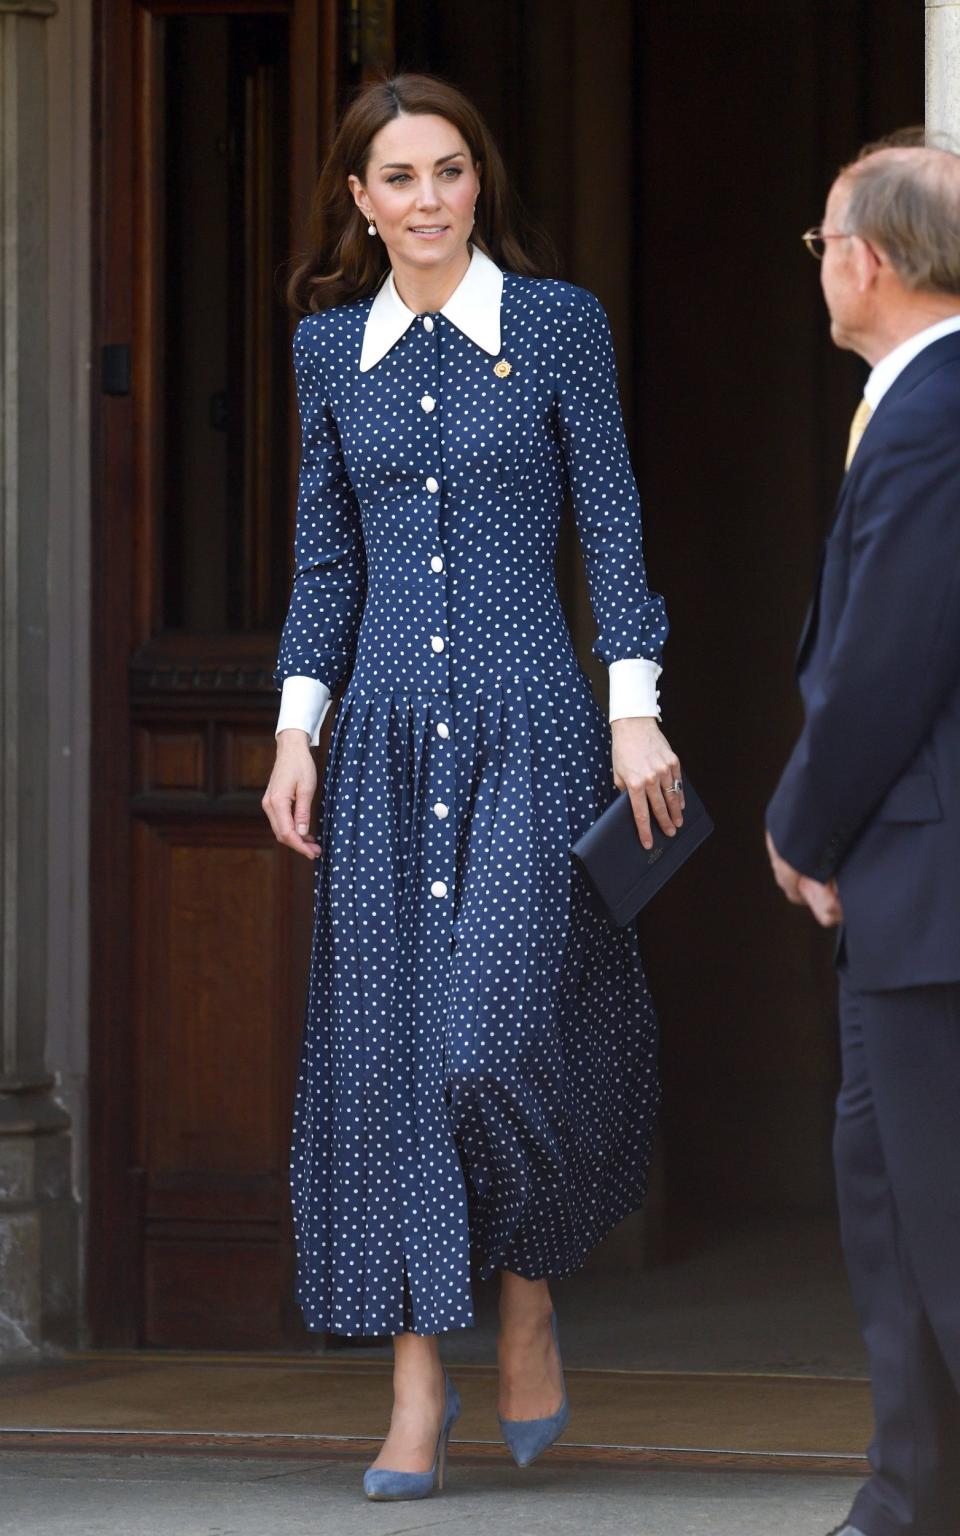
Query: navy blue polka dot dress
[478,1083]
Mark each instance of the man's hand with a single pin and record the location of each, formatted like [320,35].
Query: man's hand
[823,900]
[785,875]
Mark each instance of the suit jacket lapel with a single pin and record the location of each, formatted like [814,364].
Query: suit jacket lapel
[810,622]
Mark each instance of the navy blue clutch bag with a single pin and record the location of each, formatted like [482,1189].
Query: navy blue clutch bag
[624,874]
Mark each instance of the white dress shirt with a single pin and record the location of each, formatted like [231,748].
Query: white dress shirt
[474,308]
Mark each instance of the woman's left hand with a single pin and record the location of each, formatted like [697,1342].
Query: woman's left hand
[645,764]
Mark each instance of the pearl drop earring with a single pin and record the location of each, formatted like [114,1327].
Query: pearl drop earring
[371,227]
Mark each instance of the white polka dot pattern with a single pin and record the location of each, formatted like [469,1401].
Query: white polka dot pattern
[478,1076]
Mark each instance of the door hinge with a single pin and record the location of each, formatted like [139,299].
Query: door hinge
[115,369]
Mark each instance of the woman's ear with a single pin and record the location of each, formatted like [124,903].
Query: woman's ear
[359,194]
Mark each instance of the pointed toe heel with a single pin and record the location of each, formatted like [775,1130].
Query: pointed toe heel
[381,1485]
[526,1439]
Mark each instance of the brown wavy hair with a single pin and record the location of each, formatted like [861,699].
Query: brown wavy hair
[343,263]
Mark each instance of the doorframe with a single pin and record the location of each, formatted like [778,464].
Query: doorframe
[122,225]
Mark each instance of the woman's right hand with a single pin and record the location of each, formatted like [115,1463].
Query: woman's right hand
[288,797]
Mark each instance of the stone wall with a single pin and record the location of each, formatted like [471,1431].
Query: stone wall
[38,1211]
[943,69]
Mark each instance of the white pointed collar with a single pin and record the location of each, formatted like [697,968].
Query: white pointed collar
[473,307]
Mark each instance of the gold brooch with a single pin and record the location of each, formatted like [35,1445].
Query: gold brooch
[503,368]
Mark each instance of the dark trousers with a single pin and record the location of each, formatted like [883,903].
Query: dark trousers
[897,1154]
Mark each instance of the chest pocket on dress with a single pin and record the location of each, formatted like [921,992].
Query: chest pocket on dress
[510,472]
[522,429]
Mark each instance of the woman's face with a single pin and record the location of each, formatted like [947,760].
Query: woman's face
[420,187]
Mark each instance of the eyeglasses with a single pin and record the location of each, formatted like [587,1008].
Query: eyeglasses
[816,241]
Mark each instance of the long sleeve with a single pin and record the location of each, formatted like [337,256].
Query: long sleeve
[329,583]
[895,655]
[631,620]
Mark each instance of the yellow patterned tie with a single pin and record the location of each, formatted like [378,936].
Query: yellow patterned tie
[858,426]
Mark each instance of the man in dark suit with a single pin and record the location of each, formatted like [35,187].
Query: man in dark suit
[864,827]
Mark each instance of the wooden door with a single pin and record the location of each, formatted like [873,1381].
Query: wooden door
[211,118]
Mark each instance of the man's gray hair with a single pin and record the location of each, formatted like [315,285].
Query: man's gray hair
[905,199]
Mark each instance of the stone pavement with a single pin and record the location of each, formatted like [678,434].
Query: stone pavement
[50,1494]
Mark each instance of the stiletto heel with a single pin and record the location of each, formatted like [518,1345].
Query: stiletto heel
[380,1484]
[527,1438]
[442,1464]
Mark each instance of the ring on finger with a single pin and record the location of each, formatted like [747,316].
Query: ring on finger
[676,788]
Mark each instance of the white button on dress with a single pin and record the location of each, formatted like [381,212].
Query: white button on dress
[427,323]
[436,563]
[427,403]
[441,811]
[432,485]
[443,729]
[437,642]
[438,888]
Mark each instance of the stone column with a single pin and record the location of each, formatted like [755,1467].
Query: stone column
[943,71]
[38,1257]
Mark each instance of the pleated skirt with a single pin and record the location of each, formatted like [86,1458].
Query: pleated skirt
[478,1081]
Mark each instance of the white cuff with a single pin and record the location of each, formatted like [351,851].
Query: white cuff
[303,703]
[633,688]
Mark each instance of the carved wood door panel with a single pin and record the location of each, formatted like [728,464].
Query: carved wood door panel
[211,121]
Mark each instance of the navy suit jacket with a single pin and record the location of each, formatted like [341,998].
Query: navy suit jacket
[871,794]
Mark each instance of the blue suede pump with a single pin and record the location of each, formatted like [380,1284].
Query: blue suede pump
[380,1484]
[526,1438]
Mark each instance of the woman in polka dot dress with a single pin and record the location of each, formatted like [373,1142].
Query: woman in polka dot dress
[478,1081]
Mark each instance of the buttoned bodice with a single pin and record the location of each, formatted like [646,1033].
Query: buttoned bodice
[431,490]
[459,483]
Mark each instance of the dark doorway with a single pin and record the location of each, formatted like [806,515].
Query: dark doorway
[674,154]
